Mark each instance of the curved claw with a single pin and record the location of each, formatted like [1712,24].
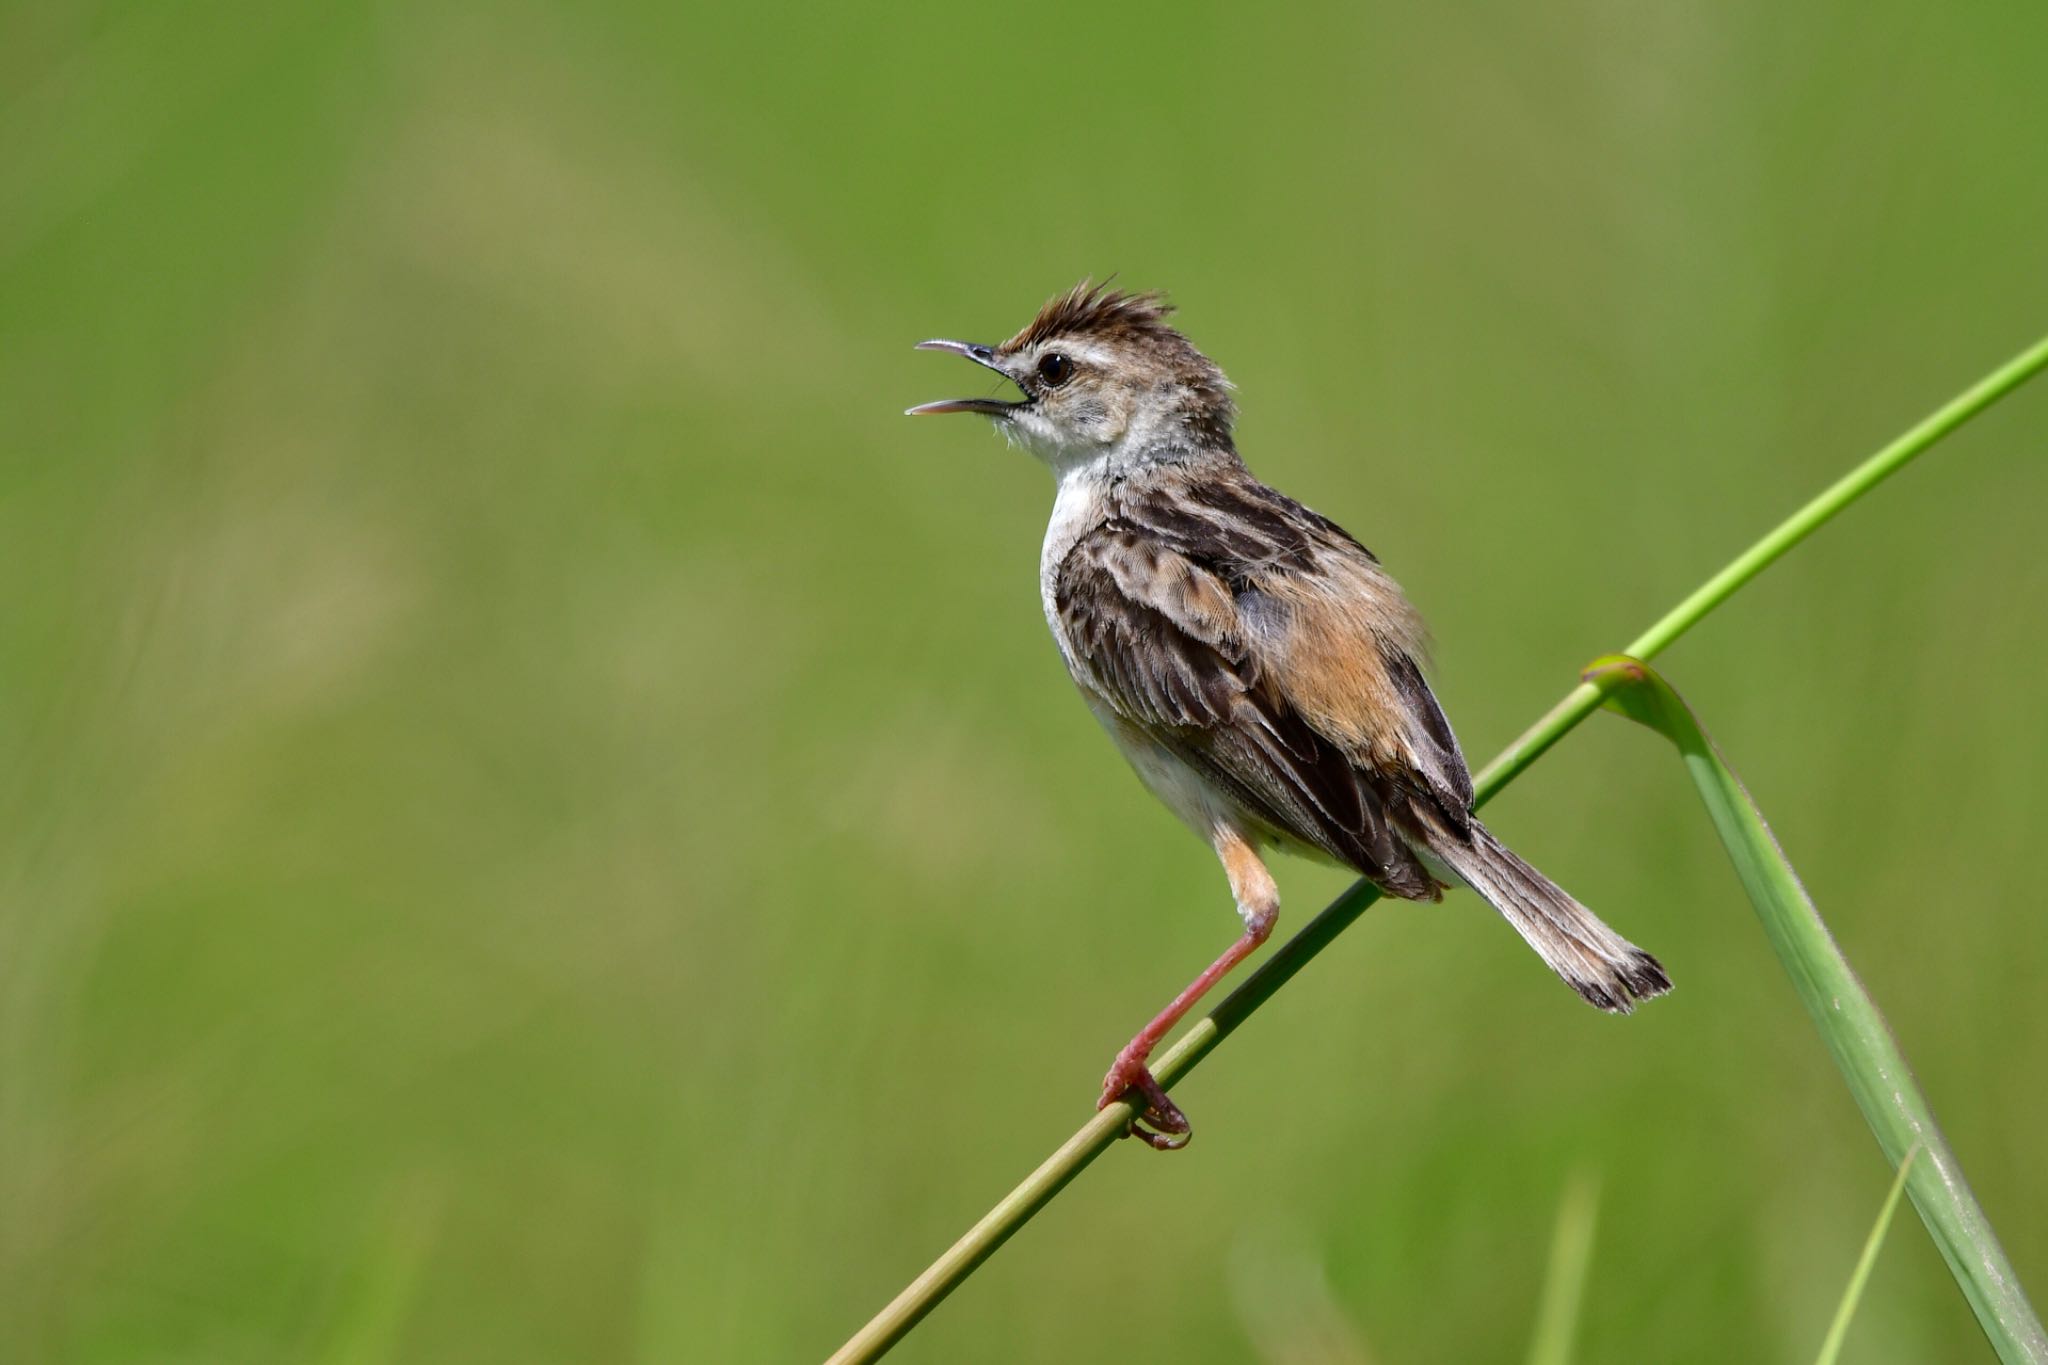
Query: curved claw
[1168,1129]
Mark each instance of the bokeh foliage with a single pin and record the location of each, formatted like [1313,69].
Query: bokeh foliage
[539,819]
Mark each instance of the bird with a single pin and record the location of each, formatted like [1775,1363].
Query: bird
[1257,666]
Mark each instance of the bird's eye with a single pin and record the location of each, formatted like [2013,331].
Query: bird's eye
[1054,369]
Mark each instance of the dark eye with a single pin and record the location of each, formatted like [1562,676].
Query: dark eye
[1055,369]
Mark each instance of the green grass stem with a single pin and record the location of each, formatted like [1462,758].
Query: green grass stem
[1564,1283]
[1845,1312]
[1584,700]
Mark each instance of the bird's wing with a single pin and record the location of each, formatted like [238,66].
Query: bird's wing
[1343,643]
[1163,638]
[1432,745]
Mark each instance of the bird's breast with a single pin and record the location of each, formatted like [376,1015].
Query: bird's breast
[1079,508]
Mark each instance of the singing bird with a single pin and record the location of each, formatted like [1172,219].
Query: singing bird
[1254,663]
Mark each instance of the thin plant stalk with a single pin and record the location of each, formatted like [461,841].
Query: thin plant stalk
[1845,1312]
[1564,1284]
[1584,700]
[1016,1208]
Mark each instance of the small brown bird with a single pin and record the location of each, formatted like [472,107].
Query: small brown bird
[1255,664]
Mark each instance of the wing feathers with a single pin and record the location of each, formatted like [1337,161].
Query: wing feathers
[1432,746]
[1164,618]
[1158,642]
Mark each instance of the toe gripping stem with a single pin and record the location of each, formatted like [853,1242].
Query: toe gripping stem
[1159,1124]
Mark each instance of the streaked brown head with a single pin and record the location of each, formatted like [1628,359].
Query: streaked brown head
[1100,369]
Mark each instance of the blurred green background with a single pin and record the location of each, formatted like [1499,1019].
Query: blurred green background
[541,822]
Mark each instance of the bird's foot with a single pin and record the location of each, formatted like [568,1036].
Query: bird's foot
[1166,1128]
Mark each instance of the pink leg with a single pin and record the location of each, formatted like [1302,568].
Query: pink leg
[1258,900]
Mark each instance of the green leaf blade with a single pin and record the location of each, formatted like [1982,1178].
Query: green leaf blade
[1845,1312]
[1845,1015]
[1564,1283]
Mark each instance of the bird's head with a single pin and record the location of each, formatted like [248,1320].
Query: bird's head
[1101,371]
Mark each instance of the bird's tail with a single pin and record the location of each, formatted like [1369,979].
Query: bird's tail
[1609,971]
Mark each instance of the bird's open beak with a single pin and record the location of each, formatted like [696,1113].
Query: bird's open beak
[980,355]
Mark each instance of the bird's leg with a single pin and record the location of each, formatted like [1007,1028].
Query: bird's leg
[1258,901]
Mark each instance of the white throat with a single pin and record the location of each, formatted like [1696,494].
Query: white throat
[1148,432]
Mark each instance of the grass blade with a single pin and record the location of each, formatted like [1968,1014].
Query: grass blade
[1848,1019]
[1564,1283]
[1831,1345]
[372,1317]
